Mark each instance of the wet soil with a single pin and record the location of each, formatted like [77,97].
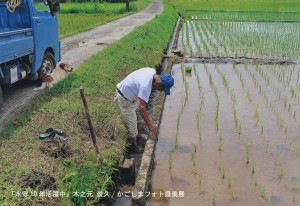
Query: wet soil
[38,180]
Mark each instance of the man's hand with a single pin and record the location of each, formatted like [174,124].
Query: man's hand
[145,116]
[153,129]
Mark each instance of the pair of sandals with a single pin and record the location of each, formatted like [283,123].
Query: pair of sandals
[53,135]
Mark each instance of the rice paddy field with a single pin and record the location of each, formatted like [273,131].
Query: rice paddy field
[230,131]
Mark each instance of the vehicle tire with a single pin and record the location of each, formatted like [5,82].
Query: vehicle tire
[1,97]
[48,64]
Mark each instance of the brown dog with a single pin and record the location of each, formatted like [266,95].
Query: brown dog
[60,72]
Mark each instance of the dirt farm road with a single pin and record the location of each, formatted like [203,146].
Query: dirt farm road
[77,49]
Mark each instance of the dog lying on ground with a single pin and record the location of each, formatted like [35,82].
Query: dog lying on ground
[60,72]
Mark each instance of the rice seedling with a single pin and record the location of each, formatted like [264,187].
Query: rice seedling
[199,126]
[253,167]
[213,198]
[280,173]
[231,193]
[188,69]
[222,170]
[262,192]
[239,130]
[177,128]
[247,145]
[217,115]
[295,187]
[194,170]
[295,148]
[286,127]
[182,72]
[249,96]
[293,92]
[220,141]
[186,92]
[170,159]
[229,182]
[298,75]
[193,151]
[257,115]
[261,126]
[267,140]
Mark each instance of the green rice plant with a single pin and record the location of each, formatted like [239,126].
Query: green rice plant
[182,71]
[186,98]
[295,187]
[253,167]
[295,148]
[280,120]
[289,108]
[231,193]
[229,182]
[217,115]
[222,170]
[199,126]
[280,172]
[213,198]
[177,127]
[170,160]
[194,170]
[298,75]
[286,127]
[188,69]
[257,115]
[293,92]
[262,192]
[267,140]
[193,151]
[261,128]
[220,141]
[239,130]
[249,96]
[194,68]
[247,145]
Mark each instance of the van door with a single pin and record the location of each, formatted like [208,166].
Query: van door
[45,28]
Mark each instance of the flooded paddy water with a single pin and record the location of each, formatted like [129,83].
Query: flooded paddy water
[230,131]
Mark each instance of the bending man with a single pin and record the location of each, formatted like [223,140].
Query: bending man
[134,92]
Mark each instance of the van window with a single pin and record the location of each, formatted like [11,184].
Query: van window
[40,5]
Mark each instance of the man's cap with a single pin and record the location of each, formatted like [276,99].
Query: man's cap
[167,81]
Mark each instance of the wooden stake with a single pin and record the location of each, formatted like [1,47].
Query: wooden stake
[89,119]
